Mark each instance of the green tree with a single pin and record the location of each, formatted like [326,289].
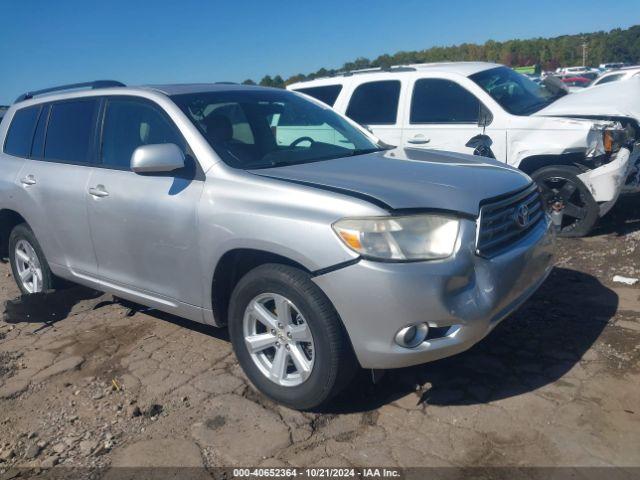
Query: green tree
[266,81]
[617,45]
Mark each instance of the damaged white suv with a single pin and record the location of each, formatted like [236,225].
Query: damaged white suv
[582,149]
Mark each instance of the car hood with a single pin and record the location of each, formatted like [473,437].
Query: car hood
[615,99]
[409,179]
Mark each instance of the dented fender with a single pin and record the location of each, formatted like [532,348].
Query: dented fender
[606,182]
[547,136]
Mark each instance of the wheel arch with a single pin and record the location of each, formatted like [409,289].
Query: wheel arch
[8,220]
[535,162]
[231,267]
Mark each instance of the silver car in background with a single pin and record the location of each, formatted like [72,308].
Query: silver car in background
[270,213]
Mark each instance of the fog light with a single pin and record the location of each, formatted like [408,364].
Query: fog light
[412,335]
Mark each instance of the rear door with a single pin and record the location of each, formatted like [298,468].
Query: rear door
[144,226]
[443,115]
[54,181]
[377,106]
[17,147]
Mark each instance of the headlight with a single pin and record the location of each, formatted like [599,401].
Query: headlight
[605,139]
[414,237]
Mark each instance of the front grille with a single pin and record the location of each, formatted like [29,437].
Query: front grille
[503,220]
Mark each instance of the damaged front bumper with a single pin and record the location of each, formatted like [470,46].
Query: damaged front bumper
[632,184]
[607,182]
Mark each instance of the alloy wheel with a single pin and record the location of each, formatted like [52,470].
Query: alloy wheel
[278,339]
[28,267]
[562,194]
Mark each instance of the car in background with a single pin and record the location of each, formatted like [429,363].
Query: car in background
[582,155]
[617,75]
[610,66]
[575,83]
[576,71]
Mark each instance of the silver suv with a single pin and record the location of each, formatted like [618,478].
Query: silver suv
[321,248]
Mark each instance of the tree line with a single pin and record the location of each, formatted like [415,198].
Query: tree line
[618,45]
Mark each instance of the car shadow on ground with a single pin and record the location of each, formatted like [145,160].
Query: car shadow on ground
[624,217]
[532,348]
[203,328]
[51,306]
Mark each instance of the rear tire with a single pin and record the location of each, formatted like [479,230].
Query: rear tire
[318,366]
[29,266]
[563,190]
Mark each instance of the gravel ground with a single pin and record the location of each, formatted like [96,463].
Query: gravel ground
[87,382]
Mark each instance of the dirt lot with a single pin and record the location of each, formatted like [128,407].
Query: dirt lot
[88,382]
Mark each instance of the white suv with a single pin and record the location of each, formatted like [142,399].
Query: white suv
[582,157]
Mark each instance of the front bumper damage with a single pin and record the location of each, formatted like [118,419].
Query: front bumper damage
[620,175]
[464,297]
[632,184]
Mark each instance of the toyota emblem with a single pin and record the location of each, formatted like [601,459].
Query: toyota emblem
[521,216]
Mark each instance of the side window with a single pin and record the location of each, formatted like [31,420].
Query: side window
[70,131]
[129,124]
[610,78]
[327,94]
[20,133]
[375,103]
[436,100]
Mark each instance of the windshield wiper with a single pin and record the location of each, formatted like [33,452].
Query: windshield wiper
[364,151]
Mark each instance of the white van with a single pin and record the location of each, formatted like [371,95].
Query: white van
[582,149]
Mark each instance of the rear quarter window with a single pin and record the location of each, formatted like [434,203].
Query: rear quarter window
[21,130]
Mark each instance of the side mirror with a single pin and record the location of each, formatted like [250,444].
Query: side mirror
[484,116]
[162,157]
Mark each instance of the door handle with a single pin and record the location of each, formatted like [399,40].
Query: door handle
[98,191]
[28,180]
[419,140]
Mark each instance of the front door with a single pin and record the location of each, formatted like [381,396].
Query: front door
[144,226]
[443,115]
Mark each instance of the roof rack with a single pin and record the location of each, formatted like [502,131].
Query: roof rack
[72,86]
[349,73]
[400,68]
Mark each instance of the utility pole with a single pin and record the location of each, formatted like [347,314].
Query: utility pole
[584,53]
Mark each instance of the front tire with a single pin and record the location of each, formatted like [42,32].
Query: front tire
[563,191]
[28,263]
[288,338]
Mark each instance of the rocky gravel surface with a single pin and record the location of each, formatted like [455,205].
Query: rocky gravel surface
[89,382]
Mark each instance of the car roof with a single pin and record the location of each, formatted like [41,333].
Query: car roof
[98,88]
[460,68]
[185,88]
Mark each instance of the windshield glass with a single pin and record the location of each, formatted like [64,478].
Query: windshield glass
[256,128]
[514,92]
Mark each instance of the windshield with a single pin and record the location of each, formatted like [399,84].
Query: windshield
[514,92]
[257,128]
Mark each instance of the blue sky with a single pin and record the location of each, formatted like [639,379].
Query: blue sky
[44,43]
